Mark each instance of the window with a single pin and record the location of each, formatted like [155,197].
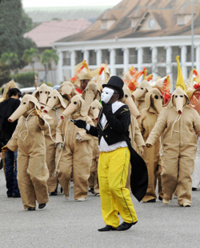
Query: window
[105,56]
[92,57]
[147,55]
[133,56]
[119,56]
[161,55]
[79,57]
[66,58]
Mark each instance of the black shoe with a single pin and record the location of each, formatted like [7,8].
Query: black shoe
[125,226]
[107,228]
[91,190]
[42,205]
[152,200]
[194,189]
[9,195]
[53,193]
[160,198]
[17,195]
[31,209]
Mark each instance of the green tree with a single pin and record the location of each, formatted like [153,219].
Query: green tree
[4,74]
[47,57]
[30,56]
[12,28]
[10,59]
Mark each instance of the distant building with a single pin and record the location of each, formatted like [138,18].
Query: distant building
[141,33]
[45,34]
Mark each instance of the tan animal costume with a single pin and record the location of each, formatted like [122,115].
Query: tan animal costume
[139,94]
[54,107]
[42,94]
[91,93]
[67,91]
[75,150]
[29,139]
[178,124]
[93,180]
[137,141]
[151,156]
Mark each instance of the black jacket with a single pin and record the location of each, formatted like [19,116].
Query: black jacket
[116,130]
[7,128]
[116,127]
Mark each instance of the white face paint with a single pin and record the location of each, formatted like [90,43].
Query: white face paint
[106,94]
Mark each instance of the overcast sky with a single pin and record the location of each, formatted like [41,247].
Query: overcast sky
[65,3]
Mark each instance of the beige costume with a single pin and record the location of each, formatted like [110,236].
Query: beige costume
[178,124]
[139,94]
[42,94]
[54,107]
[93,180]
[90,93]
[28,138]
[151,156]
[74,150]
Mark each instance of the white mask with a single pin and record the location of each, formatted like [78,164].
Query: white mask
[106,94]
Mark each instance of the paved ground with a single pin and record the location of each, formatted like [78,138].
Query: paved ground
[69,224]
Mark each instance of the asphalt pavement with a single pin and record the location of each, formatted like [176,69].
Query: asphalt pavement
[70,224]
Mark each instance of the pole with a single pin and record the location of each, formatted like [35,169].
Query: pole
[192,34]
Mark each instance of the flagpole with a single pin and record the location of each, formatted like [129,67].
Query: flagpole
[192,34]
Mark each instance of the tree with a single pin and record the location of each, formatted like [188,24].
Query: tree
[30,56]
[12,28]
[10,59]
[47,57]
[4,74]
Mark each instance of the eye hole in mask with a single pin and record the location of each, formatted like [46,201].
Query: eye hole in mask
[181,95]
[176,96]
[156,97]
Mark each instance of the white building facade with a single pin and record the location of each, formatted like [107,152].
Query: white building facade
[157,54]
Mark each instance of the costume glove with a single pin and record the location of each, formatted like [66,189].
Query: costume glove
[106,108]
[80,123]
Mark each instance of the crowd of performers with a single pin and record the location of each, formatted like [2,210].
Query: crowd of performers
[45,147]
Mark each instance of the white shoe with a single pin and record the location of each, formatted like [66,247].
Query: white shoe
[166,201]
[81,199]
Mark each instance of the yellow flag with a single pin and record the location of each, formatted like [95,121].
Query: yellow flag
[180,81]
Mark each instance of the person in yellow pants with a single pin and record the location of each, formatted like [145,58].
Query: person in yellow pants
[112,132]
[113,172]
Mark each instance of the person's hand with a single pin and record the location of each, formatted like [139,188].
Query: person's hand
[80,123]
[141,150]
[148,145]
[106,108]
[59,146]
[4,149]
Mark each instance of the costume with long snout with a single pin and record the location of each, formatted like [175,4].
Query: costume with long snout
[114,145]
[29,139]
[178,124]
[54,108]
[139,94]
[74,150]
[42,94]
[151,156]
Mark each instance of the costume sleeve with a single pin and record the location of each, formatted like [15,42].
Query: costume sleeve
[138,136]
[197,122]
[158,128]
[119,123]
[84,135]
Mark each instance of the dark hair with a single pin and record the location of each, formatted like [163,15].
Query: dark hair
[14,92]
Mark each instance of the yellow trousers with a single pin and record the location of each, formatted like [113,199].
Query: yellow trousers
[115,198]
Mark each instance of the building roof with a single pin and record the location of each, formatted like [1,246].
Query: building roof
[164,12]
[47,33]
[40,15]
